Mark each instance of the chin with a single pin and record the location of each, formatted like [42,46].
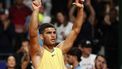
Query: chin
[52,44]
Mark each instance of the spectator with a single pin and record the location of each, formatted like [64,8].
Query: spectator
[100,62]
[48,6]
[108,24]
[74,57]
[18,14]
[23,55]
[11,62]
[87,58]
[63,26]
[68,66]
[7,33]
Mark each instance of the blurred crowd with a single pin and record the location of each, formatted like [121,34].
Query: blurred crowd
[99,34]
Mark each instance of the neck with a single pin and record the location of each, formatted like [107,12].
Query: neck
[86,55]
[75,64]
[49,48]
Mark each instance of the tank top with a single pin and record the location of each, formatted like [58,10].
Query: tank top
[52,60]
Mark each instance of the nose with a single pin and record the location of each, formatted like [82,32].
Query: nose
[53,34]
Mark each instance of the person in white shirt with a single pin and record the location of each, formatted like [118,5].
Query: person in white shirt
[63,26]
[87,59]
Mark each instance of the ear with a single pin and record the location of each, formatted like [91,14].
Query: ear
[79,47]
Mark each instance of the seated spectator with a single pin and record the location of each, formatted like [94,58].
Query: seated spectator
[68,66]
[74,57]
[11,62]
[87,58]
[100,62]
[23,55]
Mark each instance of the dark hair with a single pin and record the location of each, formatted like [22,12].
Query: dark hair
[14,55]
[65,17]
[25,39]
[11,55]
[43,26]
[86,44]
[75,52]
[100,56]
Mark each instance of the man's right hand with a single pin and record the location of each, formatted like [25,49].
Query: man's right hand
[79,3]
[36,4]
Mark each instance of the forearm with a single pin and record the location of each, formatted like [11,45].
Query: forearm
[25,57]
[92,13]
[25,60]
[72,17]
[78,21]
[33,27]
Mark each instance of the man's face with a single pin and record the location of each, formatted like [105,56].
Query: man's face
[25,45]
[49,36]
[70,59]
[100,63]
[87,50]
[11,62]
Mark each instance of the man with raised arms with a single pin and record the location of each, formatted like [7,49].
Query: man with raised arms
[48,56]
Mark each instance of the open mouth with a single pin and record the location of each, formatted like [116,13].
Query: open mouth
[53,40]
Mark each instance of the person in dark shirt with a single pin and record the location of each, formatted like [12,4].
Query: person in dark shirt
[7,33]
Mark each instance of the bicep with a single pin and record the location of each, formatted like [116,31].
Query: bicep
[36,58]
[36,61]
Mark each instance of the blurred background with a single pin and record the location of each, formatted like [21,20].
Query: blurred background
[100,26]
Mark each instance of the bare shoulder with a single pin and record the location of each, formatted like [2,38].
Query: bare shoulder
[60,45]
[38,51]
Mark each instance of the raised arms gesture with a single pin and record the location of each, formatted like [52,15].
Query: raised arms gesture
[67,44]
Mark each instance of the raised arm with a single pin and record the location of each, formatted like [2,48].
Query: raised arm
[26,58]
[67,44]
[33,27]
[35,50]
[91,18]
